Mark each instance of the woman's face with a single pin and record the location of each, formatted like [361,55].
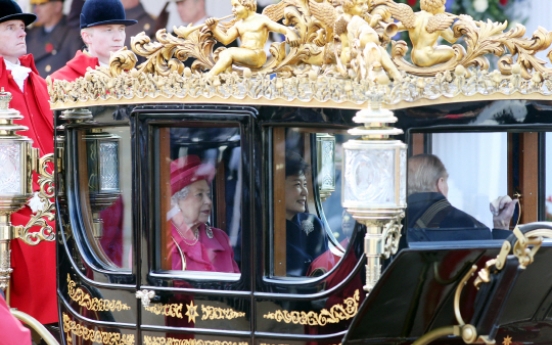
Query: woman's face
[196,206]
[296,195]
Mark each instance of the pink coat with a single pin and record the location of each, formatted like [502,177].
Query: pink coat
[208,254]
[12,331]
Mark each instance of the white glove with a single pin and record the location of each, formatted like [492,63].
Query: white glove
[502,209]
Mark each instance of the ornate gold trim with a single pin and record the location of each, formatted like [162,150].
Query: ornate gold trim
[215,313]
[336,54]
[207,312]
[151,340]
[191,312]
[93,304]
[71,328]
[173,310]
[337,313]
[46,194]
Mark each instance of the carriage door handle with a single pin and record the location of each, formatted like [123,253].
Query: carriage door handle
[145,296]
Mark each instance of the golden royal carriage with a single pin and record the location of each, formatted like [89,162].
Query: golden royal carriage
[118,129]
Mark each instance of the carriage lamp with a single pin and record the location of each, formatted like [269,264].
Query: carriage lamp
[102,151]
[374,183]
[103,173]
[325,148]
[19,159]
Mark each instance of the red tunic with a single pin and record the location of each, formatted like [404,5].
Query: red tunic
[76,67]
[33,283]
[11,329]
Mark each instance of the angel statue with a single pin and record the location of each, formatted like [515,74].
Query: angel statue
[356,34]
[252,29]
[425,28]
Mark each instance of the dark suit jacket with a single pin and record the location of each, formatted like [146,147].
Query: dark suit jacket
[51,50]
[145,23]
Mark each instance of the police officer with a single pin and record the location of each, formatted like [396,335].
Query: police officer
[51,41]
[135,10]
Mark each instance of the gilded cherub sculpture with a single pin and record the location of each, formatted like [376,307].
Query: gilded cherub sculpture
[425,28]
[252,29]
[356,34]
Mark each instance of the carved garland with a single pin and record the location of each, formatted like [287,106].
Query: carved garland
[341,57]
[214,313]
[72,328]
[173,310]
[150,340]
[93,304]
[337,313]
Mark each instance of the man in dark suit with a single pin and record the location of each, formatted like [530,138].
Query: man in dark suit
[51,41]
[135,10]
[428,207]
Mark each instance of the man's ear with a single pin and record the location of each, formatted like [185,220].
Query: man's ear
[441,185]
[85,37]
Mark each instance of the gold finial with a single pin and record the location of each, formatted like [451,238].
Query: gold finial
[5,98]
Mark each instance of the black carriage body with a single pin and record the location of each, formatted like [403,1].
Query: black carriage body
[98,298]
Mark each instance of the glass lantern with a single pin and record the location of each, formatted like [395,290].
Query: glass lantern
[374,184]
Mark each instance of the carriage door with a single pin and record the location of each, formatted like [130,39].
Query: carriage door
[96,277]
[194,224]
[312,285]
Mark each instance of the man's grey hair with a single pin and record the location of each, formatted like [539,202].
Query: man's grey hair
[423,173]
[181,194]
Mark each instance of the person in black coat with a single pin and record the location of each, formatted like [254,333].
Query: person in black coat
[51,40]
[305,234]
[429,209]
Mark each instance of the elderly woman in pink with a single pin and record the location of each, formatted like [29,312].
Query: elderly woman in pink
[194,245]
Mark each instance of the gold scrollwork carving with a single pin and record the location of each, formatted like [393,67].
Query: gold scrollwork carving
[173,310]
[207,312]
[47,211]
[93,304]
[71,328]
[149,340]
[337,313]
[214,313]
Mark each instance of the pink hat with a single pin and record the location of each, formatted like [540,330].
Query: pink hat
[187,170]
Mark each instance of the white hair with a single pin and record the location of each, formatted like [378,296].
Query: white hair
[181,194]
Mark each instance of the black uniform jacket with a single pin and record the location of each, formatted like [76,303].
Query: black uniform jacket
[51,50]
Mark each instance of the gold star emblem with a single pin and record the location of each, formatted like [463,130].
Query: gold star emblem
[507,340]
[191,312]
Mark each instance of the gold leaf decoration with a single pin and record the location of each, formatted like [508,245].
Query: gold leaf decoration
[173,310]
[72,328]
[150,340]
[93,304]
[214,313]
[336,57]
[337,313]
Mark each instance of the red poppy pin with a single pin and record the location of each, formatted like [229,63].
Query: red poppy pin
[503,2]
[411,2]
[49,47]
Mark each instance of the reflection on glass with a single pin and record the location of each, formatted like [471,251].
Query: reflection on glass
[107,153]
[199,199]
[477,167]
[548,182]
[10,176]
[317,229]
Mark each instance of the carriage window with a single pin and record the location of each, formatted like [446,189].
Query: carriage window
[460,182]
[106,193]
[311,230]
[199,197]
[548,182]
